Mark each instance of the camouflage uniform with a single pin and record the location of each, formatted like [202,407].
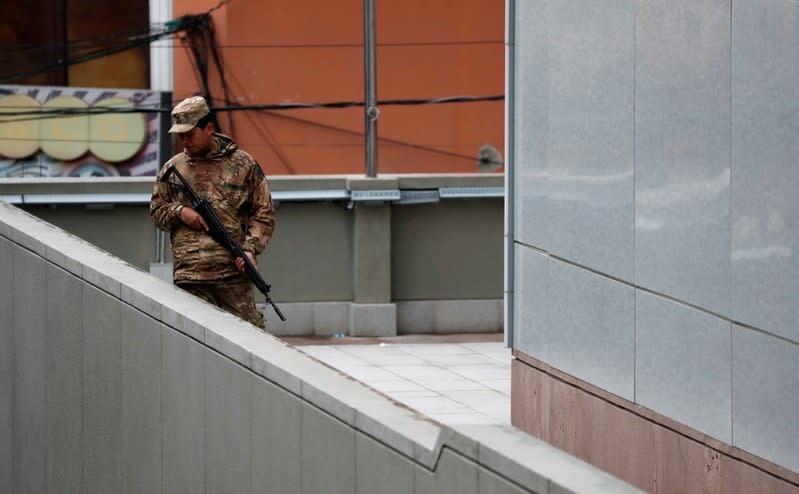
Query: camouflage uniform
[235,185]
[234,295]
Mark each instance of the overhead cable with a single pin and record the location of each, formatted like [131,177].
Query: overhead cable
[13,116]
[86,50]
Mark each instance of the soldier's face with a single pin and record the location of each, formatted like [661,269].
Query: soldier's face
[198,140]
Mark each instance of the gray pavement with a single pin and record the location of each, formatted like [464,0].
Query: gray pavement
[453,382]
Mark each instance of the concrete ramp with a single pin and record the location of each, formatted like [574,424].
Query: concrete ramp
[113,381]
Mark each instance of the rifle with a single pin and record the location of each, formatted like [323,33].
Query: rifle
[219,233]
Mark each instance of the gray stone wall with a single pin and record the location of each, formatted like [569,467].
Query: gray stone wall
[655,229]
[114,381]
[369,257]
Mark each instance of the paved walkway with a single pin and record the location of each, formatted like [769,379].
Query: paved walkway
[457,379]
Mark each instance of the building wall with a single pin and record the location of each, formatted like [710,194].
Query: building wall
[39,44]
[91,19]
[312,52]
[113,381]
[653,228]
[41,34]
[428,267]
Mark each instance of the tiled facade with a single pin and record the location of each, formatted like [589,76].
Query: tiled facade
[653,229]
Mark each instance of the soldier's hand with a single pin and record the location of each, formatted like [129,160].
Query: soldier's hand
[192,219]
[240,262]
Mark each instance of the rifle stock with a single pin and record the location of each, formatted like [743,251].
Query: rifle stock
[219,233]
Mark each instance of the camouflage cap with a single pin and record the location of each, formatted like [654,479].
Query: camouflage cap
[187,113]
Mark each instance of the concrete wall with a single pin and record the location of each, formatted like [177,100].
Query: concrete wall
[423,263]
[114,381]
[654,223]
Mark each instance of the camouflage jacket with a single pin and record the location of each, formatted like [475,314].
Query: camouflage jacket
[238,191]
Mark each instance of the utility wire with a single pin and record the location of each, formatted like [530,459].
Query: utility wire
[92,40]
[218,6]
[83,57]
[8,50]
[270,109]
[397,44]
[71,112]
[78,51]
[89,53]
[263,130]
[200,40]
[384,140]
[14,49]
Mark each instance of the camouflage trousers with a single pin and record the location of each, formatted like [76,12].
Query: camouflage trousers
[235,295]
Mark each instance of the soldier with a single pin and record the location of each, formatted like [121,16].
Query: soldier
[234,183]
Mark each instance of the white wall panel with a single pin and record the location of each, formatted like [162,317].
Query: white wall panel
[64,381]
[183,384]
[28,321]
[765,396]
[683,364]
[228,422]
[682,150]
[101,391]
[140,419]
[591,328]
[6,363]
[765,175]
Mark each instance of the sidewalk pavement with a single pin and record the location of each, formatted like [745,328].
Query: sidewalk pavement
[454,379]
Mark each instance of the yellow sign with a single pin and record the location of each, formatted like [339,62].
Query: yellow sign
[64,138]
[19,134]
[115,137]
[111,137]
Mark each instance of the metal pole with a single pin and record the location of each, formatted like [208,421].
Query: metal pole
[370,92]
[161,80]
[161,51]
[510,175]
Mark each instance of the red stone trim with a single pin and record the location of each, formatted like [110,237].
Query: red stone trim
[649,415]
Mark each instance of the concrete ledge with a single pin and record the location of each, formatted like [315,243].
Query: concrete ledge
[309,318]
[162,271]
[144,185]
[373,320]
[331,318]
[450,316]
[522,458]
[299,319]
[417,317]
